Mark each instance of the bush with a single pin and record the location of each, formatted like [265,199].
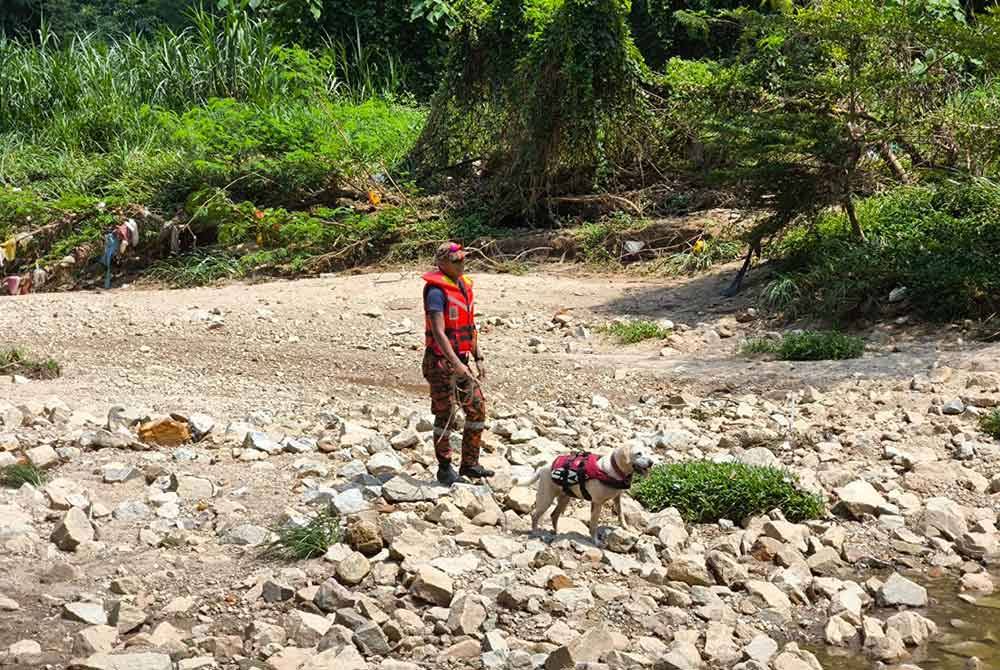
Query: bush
[18,362]
[16,475]
[940,243]
[705,492]
[990,423]
[808,346]
[631,332]
[311,540]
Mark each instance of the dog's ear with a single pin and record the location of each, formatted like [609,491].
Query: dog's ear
[626,455]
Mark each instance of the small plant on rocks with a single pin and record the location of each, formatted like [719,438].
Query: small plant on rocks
[704,492]
[311,540]
[18,474]
[990,423]
[808,346]
[17,362]
[631,332]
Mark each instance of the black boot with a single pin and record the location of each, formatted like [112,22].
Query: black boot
[446,473]
[475,472]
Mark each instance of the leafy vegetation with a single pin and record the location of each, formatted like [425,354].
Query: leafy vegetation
[15,361]
[308,540]
[990,423]
[808,346]
[704,492]
[18,474]
[631,332]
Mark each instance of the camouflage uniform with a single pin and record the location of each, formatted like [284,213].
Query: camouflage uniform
[437,372]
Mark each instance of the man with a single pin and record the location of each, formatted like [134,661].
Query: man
[451,339]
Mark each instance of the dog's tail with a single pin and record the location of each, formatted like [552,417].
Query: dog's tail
[530,480]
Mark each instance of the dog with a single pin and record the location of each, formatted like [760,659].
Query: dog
[619,466]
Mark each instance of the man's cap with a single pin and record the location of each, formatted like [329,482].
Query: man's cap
[449,251]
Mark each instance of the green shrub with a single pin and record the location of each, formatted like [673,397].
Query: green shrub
[631,332]
[16,475]
[311,540]
[198,268]
[704,492]
[990,423]
[16,361]
[939,242]
[808,346]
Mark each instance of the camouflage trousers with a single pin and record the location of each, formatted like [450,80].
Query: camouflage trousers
[437,372]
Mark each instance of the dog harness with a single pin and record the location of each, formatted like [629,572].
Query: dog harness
[571,470]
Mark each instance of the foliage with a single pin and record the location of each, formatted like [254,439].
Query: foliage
[544,92]
[699,257]
[15,361]
[808,346]
[18,474]
[990,423]
[705,492]
[197,268]
[940,243]
[308,540]
[631,332]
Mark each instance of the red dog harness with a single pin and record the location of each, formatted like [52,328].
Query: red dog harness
[571,470]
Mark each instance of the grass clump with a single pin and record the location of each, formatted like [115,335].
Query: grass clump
[704,492]
[808,346]
[309,540]
[16,475]
[15,361]
[631,332]
[990,423]
[199,268]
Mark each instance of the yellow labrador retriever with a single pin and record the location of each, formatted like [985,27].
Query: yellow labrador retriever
[586,476]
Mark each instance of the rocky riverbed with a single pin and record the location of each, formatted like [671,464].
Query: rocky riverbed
[133,554]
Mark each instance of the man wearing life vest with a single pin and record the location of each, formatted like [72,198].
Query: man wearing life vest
[451,339]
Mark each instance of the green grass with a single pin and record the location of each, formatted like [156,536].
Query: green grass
[309,541]
[698,258]
[808,346]
[16,475]
[704,492]
[199,268]
[15,361]
[631,332]
[990,423]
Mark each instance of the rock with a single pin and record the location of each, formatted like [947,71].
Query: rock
[588,648]
[521,499]
[363,536]
[126,617]
[353,569]
[793,658]
[600,402]
[839,632]
[132,510]
[74,530]
[273,591]
[384,464]
[403,488]
[115,473]
[14,521]
[8,605]
[263,442]
[165,432]
[294,658]
[298,444]
[95,640]
[620,540]
[898,590]
[24,652]
[195,488]
[351,501]
[980,582]
[370,640]
[682,655]
[466,649]
[405,439]
[859,498]
[141,661]
[42,457]
[690,569]
[912,628]
[953,407]
[517,596]
[88,613]
[497,546]
[720,646]
[306,629]
[466,615]
[769,595]
[433,586]
[946,517]
[761,648]
[332,596]
[246,535]
[574,598]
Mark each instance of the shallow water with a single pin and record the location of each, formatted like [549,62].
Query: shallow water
[964,630]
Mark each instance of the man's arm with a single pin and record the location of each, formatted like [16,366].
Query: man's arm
[441,338]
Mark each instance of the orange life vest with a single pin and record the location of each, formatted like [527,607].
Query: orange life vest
[459,314]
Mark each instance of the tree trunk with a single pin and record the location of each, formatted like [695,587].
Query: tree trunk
[852,216]
[893,162]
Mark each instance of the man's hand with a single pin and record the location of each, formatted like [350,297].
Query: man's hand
[481,368]
[462,371]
